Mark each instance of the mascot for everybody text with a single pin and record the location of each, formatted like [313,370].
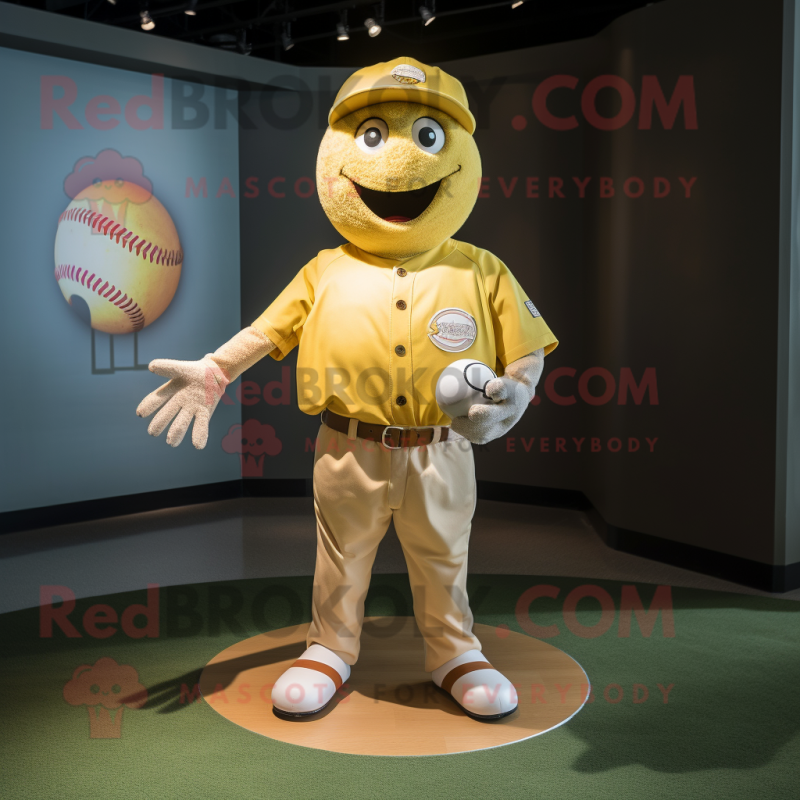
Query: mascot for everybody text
[378,319]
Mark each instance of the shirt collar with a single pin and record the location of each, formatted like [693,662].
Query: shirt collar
[420,261]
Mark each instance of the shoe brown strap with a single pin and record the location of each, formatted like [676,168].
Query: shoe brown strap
[407,437]
[320,667]
[463,669]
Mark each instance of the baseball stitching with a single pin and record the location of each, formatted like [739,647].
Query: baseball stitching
[108,227]
[124,303]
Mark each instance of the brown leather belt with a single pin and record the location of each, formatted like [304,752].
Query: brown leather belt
[392,436]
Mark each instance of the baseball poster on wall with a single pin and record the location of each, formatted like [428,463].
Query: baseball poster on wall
[116,248]
[115,261]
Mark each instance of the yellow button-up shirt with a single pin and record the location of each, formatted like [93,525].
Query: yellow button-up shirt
[375,333]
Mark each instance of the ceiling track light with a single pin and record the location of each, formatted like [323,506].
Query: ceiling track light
[245,47]
[113,2]
[191,11]
[286,36]
[428,14]
[147,21]
[517,3]
[374,24]
[342,31]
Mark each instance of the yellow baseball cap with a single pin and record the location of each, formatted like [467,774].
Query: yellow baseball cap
[404,79]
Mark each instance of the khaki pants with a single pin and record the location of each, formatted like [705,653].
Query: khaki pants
[359,486]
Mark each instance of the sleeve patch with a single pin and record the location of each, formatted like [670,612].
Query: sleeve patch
[532,308]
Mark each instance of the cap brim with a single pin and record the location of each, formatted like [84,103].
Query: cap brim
[407,94]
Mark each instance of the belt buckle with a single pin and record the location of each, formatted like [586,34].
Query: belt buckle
[383,437]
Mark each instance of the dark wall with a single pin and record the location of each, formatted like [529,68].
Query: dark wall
[675,290]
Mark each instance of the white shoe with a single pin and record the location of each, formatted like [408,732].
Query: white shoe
[310,683]
[481,691]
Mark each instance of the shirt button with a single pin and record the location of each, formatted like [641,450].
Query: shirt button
[401,401]
[401,304]
[402,272]
[400,350]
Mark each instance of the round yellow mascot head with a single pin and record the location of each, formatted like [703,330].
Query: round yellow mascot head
[398,171]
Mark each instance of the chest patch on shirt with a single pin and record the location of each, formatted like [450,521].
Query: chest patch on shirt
[452,329]
[532,308]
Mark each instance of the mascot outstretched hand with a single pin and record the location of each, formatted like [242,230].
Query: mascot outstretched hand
[376,321]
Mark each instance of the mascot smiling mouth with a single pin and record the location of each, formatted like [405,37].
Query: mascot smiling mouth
[398,206]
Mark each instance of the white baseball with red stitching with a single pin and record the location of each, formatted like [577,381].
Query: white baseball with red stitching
[123,258]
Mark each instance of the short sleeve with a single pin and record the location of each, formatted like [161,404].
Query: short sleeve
[519,328]
[283,320]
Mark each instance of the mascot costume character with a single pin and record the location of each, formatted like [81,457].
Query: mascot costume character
[381,317]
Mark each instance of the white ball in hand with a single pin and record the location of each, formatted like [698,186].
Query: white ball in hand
[461,385]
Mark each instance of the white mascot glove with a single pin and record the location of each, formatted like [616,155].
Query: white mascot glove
[511,395]
[196,386]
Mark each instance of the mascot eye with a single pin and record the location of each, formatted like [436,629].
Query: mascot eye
[428,135]
[372,135]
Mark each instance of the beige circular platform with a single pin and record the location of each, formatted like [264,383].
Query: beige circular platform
[390,707]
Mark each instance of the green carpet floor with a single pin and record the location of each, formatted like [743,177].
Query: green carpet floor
[730,726]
